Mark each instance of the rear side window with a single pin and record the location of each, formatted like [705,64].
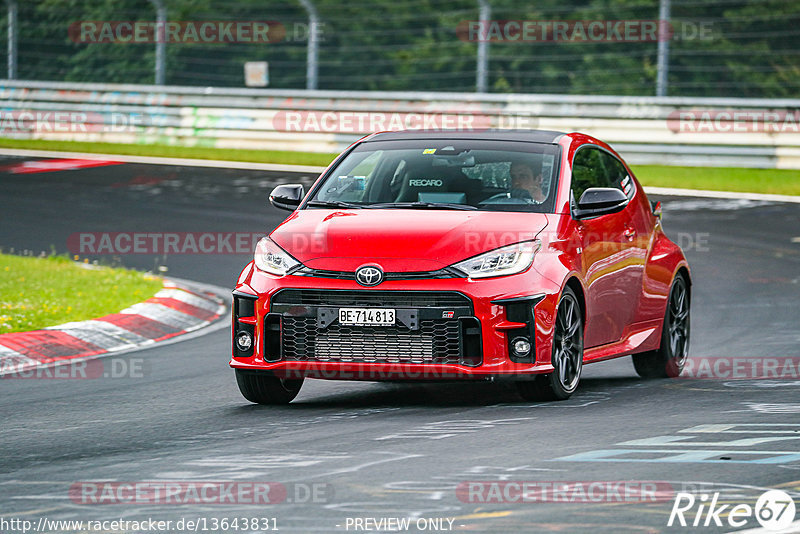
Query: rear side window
[618,176]
[593,167]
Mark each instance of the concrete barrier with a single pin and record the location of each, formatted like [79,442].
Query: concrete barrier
[721,132]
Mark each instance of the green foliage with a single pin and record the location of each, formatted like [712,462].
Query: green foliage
[720,47]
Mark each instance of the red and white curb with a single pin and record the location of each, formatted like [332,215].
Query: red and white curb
[176,310]
[55,165]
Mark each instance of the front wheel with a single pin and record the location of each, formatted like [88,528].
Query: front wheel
[264,388]
[669,359]
[567,355]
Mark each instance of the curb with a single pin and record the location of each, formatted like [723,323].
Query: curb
[181,307]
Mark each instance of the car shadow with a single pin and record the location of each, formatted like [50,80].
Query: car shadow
[318,394]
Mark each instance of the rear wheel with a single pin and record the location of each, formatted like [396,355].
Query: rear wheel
[669,359]
[567,355]
[263,388]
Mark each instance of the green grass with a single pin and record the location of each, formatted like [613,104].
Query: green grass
[773,181]
[170,151]
[782,182]
[40,292]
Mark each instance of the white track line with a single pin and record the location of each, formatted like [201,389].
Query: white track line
[183,162]
[721,194]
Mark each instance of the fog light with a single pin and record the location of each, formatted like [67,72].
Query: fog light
[522,347]
[244,341]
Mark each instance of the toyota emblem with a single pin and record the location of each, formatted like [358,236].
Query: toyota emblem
[369,276]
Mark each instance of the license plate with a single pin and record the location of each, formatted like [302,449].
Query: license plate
[366,316]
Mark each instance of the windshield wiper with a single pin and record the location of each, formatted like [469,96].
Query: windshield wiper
[332,204]
[422,205]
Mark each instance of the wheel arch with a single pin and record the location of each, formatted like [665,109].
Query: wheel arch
[683,271]
[575,285]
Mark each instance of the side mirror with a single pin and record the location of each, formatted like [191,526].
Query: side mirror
[656,207]
[597,201]
[287,197]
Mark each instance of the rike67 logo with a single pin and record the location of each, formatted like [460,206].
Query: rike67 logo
[774,510]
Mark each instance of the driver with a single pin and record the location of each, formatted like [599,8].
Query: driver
[526,181]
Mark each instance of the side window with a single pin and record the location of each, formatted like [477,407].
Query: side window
[355,180]
[593,167]
[618,176]
[588,170]
[368,164]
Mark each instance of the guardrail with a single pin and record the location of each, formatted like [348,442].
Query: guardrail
[721,132]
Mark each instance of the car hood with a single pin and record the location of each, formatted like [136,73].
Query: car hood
[399,240]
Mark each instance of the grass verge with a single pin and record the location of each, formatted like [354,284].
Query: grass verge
[773,181]
[40,292]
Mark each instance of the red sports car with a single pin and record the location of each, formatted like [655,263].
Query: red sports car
[462,255]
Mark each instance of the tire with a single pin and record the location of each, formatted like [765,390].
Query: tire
[264,388]
[567,355]
[669,359]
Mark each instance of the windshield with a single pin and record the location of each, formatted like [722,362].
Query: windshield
[444,174]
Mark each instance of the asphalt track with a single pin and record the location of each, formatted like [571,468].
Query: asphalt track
[399,450]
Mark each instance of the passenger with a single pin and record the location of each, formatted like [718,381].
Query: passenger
[526,181]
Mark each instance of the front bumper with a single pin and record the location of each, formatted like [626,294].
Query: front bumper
[446,328]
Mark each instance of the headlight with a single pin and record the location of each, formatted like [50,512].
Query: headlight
[271,258]
[512,259]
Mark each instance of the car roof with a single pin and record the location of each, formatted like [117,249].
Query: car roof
[530,136]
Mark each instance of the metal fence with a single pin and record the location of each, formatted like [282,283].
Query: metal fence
[648,130]
[732,48]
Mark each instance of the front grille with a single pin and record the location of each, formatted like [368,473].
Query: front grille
[386,299]
[434,342]
[434,327]
[350,275]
